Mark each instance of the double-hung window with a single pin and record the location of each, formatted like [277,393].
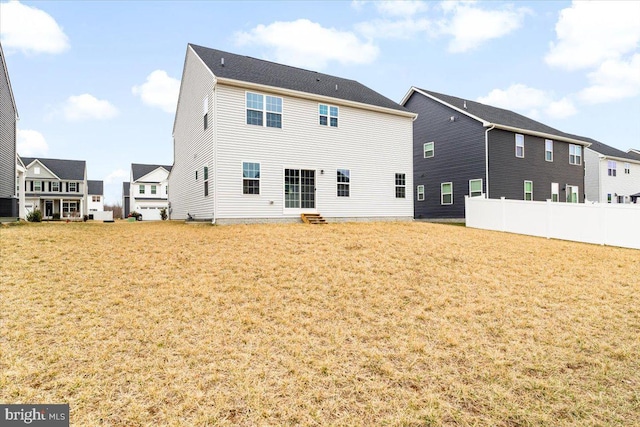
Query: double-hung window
[37,185]
[548,150]
[528,190]
[611,168]
[519,145]
[154,189]
[205,111]
[475,187]
[575,154]
[420,192]
[73,187]
[627,168]
[446,193]
[264,110]
[141,189]
[250,178]
[401,182]
[55,186]
[343,182]
[328,115]
[429,149]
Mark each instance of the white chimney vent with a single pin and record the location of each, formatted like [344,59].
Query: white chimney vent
[222,61]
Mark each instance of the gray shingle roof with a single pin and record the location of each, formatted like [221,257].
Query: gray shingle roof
[500,116]
[64,169]
[252,70]
[607,150]
[95,188]
[140,170]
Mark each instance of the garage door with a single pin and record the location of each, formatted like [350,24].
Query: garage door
[150,214]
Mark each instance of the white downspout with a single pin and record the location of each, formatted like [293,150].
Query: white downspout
[486,158]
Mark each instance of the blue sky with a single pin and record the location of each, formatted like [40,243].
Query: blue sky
[98,81]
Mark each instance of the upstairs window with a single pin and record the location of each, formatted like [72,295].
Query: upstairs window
[611,168]
[55,186]
[37,185]
[519,145]
[141,189]
[205,111]
[548,150]
[328,115]
[206,172]
[250,178]
[401,189]
[475,187]
[627,168]
[575,154]
[343,182]
[429,149]
[264,110]
[153,189]
[528,190]
[73,187]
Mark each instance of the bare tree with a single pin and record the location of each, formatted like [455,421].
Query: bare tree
[115,208]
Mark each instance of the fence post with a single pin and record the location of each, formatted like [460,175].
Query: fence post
[549,219]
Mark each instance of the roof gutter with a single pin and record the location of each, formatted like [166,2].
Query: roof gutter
[314,97]
[536,133]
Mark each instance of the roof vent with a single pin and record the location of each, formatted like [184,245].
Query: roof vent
[336,87]
[222,61]
[465,105]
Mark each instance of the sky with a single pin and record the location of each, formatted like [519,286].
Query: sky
[99,80]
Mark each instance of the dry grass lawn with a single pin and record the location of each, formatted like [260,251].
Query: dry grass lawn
[402,324]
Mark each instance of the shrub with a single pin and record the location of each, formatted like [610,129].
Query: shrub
[163,214]
[35,216]
[56,217]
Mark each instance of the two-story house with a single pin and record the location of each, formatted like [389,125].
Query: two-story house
[465,148]
[8,157]
[612,175]
[95,196]
[58,188]
[148,190]
[257,141]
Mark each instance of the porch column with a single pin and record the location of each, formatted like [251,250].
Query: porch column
[60,207]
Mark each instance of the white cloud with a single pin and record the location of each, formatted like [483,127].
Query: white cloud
[30,30]
[117,176]
[589,33]
[529,101]
[307,44]
[396,29]
[471,26]
[613,80]
[31,143]
[401,7]
[159,90]
[86,107]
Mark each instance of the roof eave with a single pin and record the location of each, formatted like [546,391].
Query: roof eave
[459,110]
[620,159]
[540,134]
[313,96]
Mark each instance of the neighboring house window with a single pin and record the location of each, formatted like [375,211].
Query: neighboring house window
[37,185]
[343,182]
[206,180]
[528,190]
[627,168]
[141,189]
[206,188]
[608,197]
[420,192]
[196,175]
[95,199]
[446,193]
[548,150]
[611,168]
[36,170]
[401,186]
[555,192]
[250,178]
[153,189]
[475,187]
[519,145]
[575,154]
[166,189]
[55,186]
[205,111]
[429,149]
[620,199]
[73,187]
[572,194]
[328,115]
[264,110]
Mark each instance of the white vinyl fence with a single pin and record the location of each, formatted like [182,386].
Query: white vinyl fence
[102,215]
[599,223]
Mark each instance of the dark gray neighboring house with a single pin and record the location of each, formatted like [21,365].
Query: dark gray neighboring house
[8,158]
[125,199]
[462,147]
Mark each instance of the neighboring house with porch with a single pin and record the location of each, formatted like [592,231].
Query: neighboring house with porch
[9,206]
[56,187]
[612,175]
[257,141]
[148,190]
[465,148]
[95,196]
